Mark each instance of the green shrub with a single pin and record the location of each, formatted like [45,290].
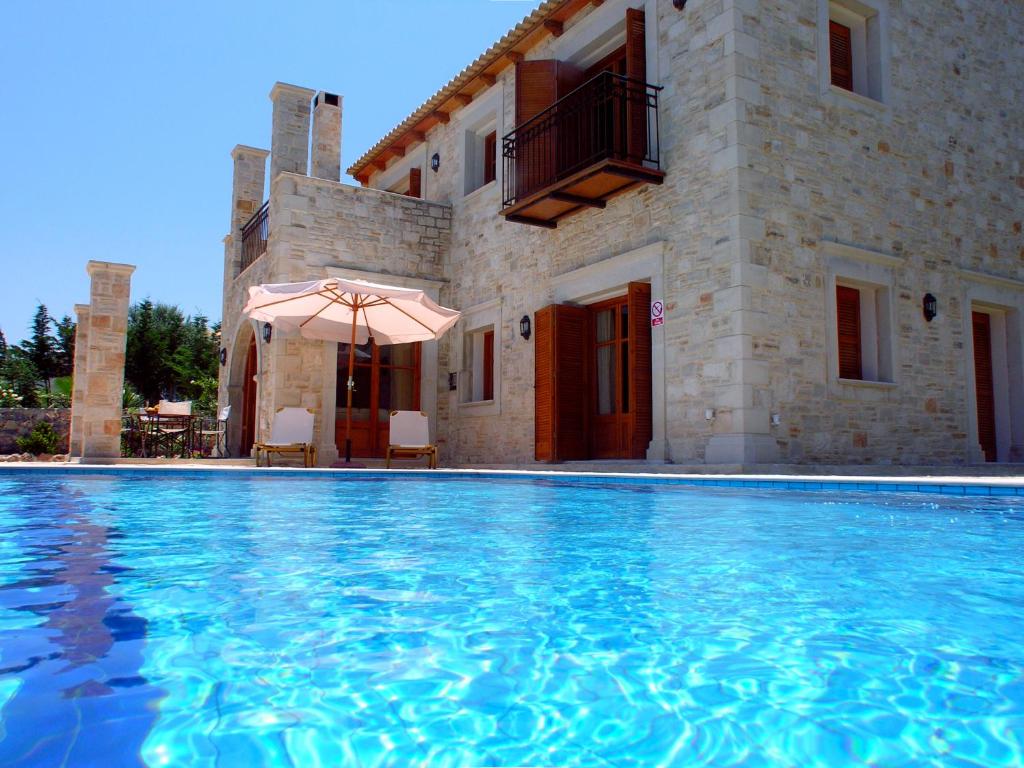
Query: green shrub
[42,439]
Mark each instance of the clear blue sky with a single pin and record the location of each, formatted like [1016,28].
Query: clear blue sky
[117,120]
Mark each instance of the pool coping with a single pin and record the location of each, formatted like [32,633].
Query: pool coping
[947,485]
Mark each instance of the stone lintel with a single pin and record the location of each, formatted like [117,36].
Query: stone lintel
[297,90]
[116,268]
[244,149]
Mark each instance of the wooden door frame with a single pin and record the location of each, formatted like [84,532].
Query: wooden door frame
[250,395]
[616,302]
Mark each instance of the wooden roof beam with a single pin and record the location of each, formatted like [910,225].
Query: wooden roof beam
[514,56]
[462,98]
[554,27]
[442,117]
[396,150]
[419,136]
[489,80]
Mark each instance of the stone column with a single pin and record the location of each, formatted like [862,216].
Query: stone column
[78,378]
[247,182]
[104,379]
[289,139]
[326,152]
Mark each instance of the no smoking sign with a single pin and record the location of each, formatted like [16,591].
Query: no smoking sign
[657,314]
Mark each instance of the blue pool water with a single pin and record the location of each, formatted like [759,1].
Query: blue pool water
[247,621]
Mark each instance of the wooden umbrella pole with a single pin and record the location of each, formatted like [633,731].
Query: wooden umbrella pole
[351,382]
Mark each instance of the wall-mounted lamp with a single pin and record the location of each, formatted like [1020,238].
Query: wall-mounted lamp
[709,414]
[453,381]
[268,331]
[223,356]
[776,419]
[524,327]
[930,307]
[679,4]
[435,162]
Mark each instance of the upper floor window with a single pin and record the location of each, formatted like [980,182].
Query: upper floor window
[481,155]
[855,47]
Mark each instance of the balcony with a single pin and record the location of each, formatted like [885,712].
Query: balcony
[596,142]
[254,236]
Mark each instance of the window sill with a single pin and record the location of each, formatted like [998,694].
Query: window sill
[867,383]
[480,190]
[838,96]
[476,404]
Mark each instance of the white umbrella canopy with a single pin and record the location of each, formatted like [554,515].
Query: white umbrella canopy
[326,309]
[350,311]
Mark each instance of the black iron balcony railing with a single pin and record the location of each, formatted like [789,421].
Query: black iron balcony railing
[609,117]
[254,236]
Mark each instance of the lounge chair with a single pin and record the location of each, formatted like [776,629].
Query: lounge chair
[410,438]
[291,432]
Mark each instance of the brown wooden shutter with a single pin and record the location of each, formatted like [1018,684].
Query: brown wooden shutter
[840,55]
[848,328]
[984,387]
[636,70]
[640,412]
[414,182]
[561,383]
[490,156]
[536,87]
[488,365]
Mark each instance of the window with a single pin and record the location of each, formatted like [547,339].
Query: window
[476,381]
[409,185]
[854,43]
[481,156]
[862,332]
[477,358]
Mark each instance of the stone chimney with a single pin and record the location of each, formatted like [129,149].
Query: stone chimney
[247,184]
[289,141]
[326,153]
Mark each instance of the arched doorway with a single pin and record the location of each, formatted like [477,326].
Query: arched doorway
[249,400]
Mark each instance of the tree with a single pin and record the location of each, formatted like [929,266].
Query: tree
[66,328]
[3,350]
[41,349]
[19,374]
[170,355]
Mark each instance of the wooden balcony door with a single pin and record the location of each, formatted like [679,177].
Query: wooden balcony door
[387,378]
[249,401]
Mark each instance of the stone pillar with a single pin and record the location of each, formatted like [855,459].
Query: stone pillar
[78,378]
[247,182]
[289,139]
[104,378]
[326,153]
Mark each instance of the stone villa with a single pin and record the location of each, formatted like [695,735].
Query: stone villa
[716,231]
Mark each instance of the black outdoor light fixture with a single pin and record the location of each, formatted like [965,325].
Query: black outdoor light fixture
[524,327]
[679,4]
[268,331]
[930,306]
[435,162]
[223,356]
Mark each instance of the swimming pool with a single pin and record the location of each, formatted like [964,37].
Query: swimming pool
[243,620]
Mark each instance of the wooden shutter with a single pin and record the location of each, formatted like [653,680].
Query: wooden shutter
[488,365]
[561,383]
[636,70]
[840,55]
[984,387]
[848,328]
[490,156]
[536,87]
[249,401]
[414,182]
[640,411]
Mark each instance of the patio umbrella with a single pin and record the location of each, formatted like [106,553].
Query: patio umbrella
[350,311]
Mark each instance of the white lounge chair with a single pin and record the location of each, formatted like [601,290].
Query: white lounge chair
[290,432]
[410,438]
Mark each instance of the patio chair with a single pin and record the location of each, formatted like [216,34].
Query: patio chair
[172,429]
[290,432]
[410,438]
[218,433]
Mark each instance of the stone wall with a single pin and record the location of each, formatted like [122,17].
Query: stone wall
[17,422]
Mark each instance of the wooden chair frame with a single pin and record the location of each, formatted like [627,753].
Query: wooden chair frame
[308,450]
[411,451]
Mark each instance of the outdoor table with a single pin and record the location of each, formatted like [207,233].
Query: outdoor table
[166,434]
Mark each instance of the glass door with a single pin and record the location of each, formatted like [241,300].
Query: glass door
[609,433]
[386,378]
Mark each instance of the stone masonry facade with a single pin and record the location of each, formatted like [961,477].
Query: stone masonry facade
[778,187]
